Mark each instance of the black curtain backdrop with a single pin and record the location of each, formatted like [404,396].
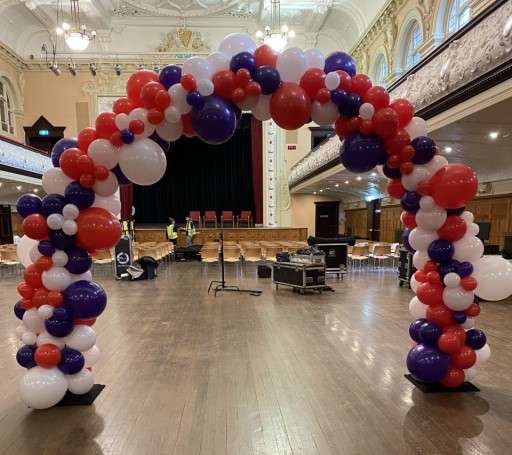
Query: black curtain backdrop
[201,177]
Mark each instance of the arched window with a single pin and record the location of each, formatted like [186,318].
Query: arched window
[380,71]
[412,56]
[459,14]
[6,108]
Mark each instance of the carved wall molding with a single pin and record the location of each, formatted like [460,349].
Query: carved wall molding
[183,40]
[10,57]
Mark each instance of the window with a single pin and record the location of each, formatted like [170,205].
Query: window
[459,14]
[380,71]
[6,109]
[413,43]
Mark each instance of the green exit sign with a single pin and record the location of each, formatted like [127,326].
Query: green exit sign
[183,55]
[44,132]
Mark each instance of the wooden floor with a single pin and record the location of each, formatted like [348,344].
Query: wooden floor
[283,373]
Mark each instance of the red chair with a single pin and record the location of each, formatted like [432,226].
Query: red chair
[195,216]
[210,216]
[244,218]
[227,217]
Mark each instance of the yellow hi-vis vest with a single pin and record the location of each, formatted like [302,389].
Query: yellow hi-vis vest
[171,234]
[191,230]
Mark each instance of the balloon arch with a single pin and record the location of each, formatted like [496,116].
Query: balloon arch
[204,98]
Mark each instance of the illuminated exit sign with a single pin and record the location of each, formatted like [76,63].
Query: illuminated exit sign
[292,147]
[44,132]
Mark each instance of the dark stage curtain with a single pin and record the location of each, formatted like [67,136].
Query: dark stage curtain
[126,196]
[257,168]
[201,177]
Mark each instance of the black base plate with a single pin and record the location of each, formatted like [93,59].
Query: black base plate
[70,399]
[437,387]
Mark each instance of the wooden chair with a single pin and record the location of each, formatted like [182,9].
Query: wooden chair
[244,218]
[210,253]
[231,253]
[195,216]
[9,261]
[210,216]
[271,251]
[360,253]
[252,253]
[381,253]
[103,263]
[227,217]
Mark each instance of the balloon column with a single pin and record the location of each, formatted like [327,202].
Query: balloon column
[59,301]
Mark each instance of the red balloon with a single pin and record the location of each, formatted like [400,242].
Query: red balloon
[98,229]
[394,144]
[323,96]
[253,89]
[457,330]
[68,162]
[44,263]
[385,122]
[453,229]
[224,82]
[473,311]
[468,283]
[123,106]
[290,106]
[407,167]
[345,81]
[430,294]
[32,276]
[148,94]
[422,188]
[407,153]
[85,163]
[404,110]
[138,80]
[377,96]
[25,290]
[188,131]
[162,100]
[420,276]
[454,378]
[85,137]
[115,139]
[87,180]
[238,95]
[464,359]
[47,355]
[395,188]
[265,55]
[449,342]
[155,117]
[136,126]
[188,82]
[106,125]
[366,127]
[440,314]
[100,173]
[353,123]
[40,297]
[341,127]
[88,322]
[55,298]
[408,220]
[312,80]
[430,266]
[26,304]
[453,186]
[35,227]
[361,83]
[243,76]
[433,277]
[393,161]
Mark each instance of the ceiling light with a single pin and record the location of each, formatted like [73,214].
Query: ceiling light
[140,66]
[275,35]
[321,191]
[19,187]
[54,68]
[493,135]
[346,182]
[72,68]
[93,69]
[359,177]
[337,185]
[448,149]
[75,35]
[117,69]
[373,174]
[314,192]
[36,190]
[156,68]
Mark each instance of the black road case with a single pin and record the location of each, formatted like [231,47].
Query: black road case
[405,267]
[299,276]
[336,257]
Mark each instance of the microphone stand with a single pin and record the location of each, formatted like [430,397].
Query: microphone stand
[222,286]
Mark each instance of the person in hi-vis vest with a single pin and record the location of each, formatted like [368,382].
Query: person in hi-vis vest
[172,235]
[190,231]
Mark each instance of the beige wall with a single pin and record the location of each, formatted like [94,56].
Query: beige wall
[303,211]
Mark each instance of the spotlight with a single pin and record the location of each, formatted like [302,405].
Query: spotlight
[141,66]
[54,68]
[156,68]
[493,135]
[117,69]
[72,68]
[93,69]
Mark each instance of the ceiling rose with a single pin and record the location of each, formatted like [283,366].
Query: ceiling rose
[180,8]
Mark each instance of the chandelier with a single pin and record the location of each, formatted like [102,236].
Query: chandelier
[75,34]
[275,35]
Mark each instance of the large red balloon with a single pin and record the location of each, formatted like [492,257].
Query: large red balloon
[47,355]
[394,144]
[98,229]
[224,82]
[463,359]
[430,294]
[404,110]
[453,229]
[341,127]
[33,276]
[440,314]
[385,122]
[34,226]
[395,188]
[123,106]
[454,378]
[106,125]
[148,94]
[377,96]
[361,83]
[312,81]
[453,186]
[449,342]
[138,80]
[85,137]
[265,55]
[68,162]
[290,106]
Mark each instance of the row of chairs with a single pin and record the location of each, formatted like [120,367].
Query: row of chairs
[373,254]
[9,262]
[248,251]
[227,218]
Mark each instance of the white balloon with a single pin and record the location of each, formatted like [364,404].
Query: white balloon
[43,388]
[24,249]
[483,354]
[179,99]
[249,103]
[82,338]
[410,181]
[45,312]
[472,229]
[143,161]
[218,61]
[469,324]
[470,373]
[103,153]
[457,299]
[55,181]
[324,114]
[436,163]
[56,278]
[431,220]
[416,127]
[122,121]
[291,64]
[110,203]
[420,238]
[419,258]
[494,278]
[468,248]
[29,338]
[427,203]
[54,221]
[366,112]
[205,87]
[235,43]
[59,258]
[70,212]
[91,356]
[80,382]
[32,321]
[172,114]
[262,110]
[109,186]
[142,114]
[467,216]
[451,280]
[417,309]
[19,331]
[316,59]
[86,276]
[170,131]
[332,80]
[197,67]
[45,338]
[69,227]
[414,283]
[34,253]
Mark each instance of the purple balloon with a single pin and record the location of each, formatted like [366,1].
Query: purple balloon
[79,260]
[71,362]
[195,99]
[236,110]
[410,201]
[269,79]
[457,212]
[429,332]
[448,267]
[122,180]
[60,147]
[46,247]
[215,123]
[243,60]
[405,241]
[391,172]
[441,250]
[465,269]
[85,299]
[59,327]
[25,356]
[339,96]
[361,152]
[427,363]
[339,61]
[53,203]
[164,145]
[425,149]
[170,75]
[351,106]
[78,195]
[18,310]
[61,313]
[459,317]
[62,241]
[475,338]
[28,204]
[126,135]
[414,329]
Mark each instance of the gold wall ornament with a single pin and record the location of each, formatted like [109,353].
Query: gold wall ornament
[185,35]
[183,40]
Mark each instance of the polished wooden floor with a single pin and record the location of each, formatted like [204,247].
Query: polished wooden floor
[283,373]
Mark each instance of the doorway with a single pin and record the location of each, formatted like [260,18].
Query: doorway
[326,219]
[5,224]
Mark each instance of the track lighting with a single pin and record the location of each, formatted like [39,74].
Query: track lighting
[93,69]
[54,68]
[72,68]
[117,69]
[156,68]
[140,66]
